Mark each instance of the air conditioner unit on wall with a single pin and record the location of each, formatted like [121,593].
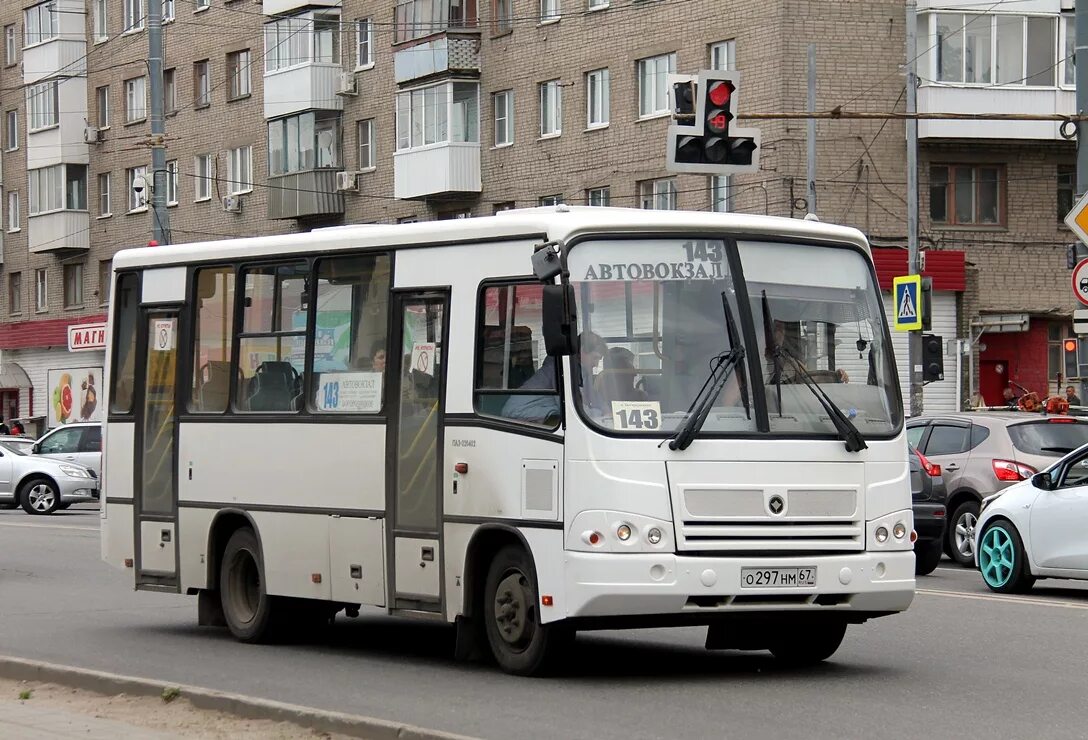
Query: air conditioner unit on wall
[346,181]
[91,135]
[232,204]
[345,84]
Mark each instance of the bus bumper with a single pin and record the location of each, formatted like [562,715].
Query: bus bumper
[605,584]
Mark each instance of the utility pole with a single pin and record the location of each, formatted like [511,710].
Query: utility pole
[1080,57]
[914,343]
[160,217]
[810,191]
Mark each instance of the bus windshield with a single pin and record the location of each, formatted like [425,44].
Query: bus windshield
[652,317]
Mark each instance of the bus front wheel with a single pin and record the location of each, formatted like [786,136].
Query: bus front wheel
[520,643]
[247,607]
[808,644]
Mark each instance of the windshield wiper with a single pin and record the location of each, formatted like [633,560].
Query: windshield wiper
[720,372]
[846,429]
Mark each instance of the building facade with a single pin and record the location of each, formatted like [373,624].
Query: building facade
[289,115]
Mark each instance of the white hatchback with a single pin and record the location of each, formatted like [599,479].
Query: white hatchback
[1036,528]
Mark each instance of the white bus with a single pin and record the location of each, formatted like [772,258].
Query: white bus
[530,424]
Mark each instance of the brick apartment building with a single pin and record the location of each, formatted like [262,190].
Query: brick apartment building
[288,115]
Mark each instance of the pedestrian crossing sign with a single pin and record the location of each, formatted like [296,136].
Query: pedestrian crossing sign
[907,292]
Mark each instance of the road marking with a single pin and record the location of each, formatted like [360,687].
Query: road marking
[47,526]
[1036,601]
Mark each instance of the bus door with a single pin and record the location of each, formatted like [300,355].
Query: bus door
[155,481]
[417,361]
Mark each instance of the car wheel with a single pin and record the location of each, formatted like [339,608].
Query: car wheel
[247,607]
[520,643]
[1002,560]
[810,644]
[961,533]
[927,558]
[39,496]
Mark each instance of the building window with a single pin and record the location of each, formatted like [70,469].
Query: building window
[240,171]
[167,10]
[304,142]
[551,108]
[598,4]
[172,182]
[719,193]
[201,89]
[967,194]
[364,136]
[507,205]
[597,105]
[503,13]
[101,20]
[41,106]
[11,130]
[1001,48]
[202,177]
[75,187]
[56,188]
[1069,45]
[659,195]
[1067,188]
[135,99]
[14,222]
[441,113]
[105,274]
[41,23]
[136,201]
[503,105]
[653,72]
[201,5]
[549,200]
[598,196]
[15,292]
[102,106]
[723,55]
[417,18]
[364,43]
[238,74]
[549,10]
[104,207]
[41,290]
[73,285]
[169,91]
[301,39]
[11,52]
[134,14]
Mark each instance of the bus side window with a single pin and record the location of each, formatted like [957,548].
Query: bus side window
[126,303]
[213,331]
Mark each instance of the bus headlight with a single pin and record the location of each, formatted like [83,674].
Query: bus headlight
[899,530]
[882,534]
[623,532]
[653,535]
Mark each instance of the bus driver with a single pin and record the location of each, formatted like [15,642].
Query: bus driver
[544,408]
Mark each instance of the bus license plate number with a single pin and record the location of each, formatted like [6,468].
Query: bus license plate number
[777,577]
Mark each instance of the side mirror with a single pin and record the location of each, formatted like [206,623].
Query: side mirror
[36,448]
[557,314]
[546,263]
[1042,481]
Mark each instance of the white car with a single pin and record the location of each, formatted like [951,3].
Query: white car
[1036,528]
[79,443]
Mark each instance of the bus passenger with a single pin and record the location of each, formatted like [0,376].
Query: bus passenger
[541,409]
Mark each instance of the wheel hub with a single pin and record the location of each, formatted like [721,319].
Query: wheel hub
[511,612]
[965,534]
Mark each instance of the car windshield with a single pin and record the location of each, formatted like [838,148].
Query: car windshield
[15,448]
[652,319]
[1052,438]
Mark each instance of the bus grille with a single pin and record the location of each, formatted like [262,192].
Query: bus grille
[759,535]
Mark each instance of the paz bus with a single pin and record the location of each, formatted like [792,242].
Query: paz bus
[544,421]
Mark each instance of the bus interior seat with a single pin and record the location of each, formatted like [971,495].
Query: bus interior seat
[214,385]
[274,387]
[520,368]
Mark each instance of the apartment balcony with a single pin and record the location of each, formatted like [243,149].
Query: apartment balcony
[310,86]
[444,169]
[453,52]
[283,7]
[989,99]
[59,231]
[48,58]
[303,194]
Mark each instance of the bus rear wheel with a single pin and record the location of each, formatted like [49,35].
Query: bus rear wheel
[520,643]
[247,607]
[805,645]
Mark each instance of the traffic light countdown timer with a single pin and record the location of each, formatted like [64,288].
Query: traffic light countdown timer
[704,140]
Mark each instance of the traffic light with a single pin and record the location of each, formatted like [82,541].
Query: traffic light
[710,144]
[683,101]
[932,358]
[1070,350]
[927,304]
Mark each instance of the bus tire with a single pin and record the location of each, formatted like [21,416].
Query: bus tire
[247,607]
[520,643]
[804,645]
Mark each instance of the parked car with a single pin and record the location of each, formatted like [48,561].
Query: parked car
[42,485]
[19,444]
[928,494]
[1036,528]
[80,443]
[983,452]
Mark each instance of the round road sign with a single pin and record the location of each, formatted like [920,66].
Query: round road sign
[1080,281]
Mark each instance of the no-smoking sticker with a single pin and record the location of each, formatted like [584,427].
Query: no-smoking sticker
[423,357]
[162,334]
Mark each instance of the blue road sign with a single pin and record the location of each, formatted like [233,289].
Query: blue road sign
[907,291]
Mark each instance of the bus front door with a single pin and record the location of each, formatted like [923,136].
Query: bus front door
[418,369]
[155,482]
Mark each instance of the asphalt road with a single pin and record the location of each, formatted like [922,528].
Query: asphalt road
[961,662]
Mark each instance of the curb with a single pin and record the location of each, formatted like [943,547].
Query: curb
[248,707]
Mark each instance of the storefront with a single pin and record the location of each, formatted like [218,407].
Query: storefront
[1029,357]
[948,271]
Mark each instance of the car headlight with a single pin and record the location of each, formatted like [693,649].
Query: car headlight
[73,472]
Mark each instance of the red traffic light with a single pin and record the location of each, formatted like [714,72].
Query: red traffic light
[1070,345]
[720,92]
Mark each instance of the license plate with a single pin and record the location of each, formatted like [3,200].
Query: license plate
[777,577]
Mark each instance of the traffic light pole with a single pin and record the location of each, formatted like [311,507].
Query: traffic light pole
[810,190]
[160,217]
[914,344]
[1080,57]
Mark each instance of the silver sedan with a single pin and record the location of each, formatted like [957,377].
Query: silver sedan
[42,485]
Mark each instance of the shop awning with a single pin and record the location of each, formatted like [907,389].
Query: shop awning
[12,375]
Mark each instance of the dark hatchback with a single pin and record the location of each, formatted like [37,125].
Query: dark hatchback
[929,497]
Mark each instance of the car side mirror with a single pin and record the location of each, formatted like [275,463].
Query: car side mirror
[36,448]
[1042,481]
